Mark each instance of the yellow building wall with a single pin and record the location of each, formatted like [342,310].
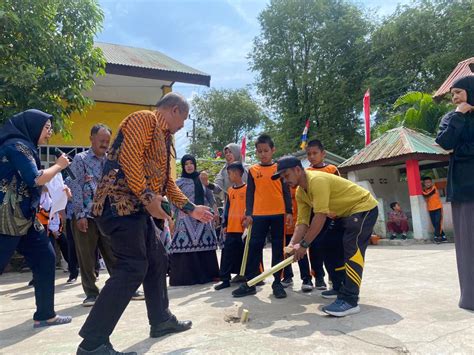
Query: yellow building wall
[108,113]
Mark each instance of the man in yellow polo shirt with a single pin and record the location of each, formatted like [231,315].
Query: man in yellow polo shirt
[330,195]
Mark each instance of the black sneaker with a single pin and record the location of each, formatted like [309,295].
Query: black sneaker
[393,236]
[104,349]
[287,282]
[238,279]
[138,296]
[71,280]
[244,290]
[443,240]
[404,237]
[321,285]
[307,286]
[222,285]
[436,240]
[329,294]
[279,291]
[89,301]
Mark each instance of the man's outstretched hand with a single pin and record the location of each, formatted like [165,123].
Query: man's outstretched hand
[202,213]
[155,210]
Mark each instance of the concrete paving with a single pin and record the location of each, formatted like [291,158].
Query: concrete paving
[409,305]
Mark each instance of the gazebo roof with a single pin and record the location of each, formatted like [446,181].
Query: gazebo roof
[395,145]
[464,68]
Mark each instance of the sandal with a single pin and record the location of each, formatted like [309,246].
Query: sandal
[59,320]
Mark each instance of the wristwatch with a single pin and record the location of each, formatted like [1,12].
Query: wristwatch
[304,244]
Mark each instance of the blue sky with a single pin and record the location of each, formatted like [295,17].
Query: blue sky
[214,36]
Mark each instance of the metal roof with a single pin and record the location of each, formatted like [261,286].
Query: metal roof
[397,144]
[131,61]
[464,68]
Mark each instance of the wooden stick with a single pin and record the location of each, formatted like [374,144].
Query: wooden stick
[270,272]
[243,266]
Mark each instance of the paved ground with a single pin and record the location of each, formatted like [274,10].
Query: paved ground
[409,305]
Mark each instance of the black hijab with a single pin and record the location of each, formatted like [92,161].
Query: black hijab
[198,188]
[466,83]
[25,126]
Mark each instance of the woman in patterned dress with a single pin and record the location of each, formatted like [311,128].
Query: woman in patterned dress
[193,258]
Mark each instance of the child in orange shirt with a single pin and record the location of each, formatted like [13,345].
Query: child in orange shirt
[327,249]
[435,209]
[303,264]
[234,215]
[268,204]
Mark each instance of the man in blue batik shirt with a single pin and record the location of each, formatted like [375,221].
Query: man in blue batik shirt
[87,168]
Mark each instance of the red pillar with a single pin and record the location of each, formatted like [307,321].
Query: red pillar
[413,176]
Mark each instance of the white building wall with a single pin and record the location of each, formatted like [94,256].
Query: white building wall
[385,185]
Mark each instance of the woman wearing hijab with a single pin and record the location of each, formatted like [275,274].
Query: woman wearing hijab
[21,178]
[193,258]
[222,182]
[456,133]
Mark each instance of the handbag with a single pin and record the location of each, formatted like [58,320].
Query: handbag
[12,220]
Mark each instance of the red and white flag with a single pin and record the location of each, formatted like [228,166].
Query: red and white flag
[367,116]
[243,148]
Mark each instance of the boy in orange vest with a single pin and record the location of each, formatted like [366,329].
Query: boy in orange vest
[328,248]
[234,215]
[435,209]
[307,285]
[268,206]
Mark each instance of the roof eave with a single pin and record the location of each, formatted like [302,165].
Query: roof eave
[398,159]
[158,74]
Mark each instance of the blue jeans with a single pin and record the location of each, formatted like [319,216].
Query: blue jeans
[40,257]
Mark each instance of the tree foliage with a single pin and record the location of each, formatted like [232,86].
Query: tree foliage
[315,59]
[47,58]
[223,117]
[416,48]
[416,110]
[309,59]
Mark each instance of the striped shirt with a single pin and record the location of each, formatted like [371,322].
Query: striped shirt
[138,167]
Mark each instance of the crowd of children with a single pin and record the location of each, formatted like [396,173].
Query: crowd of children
[268,206]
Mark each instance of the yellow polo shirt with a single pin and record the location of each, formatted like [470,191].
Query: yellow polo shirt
[328,193]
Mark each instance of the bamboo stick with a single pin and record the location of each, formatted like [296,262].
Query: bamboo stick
[270,272]
[246,251]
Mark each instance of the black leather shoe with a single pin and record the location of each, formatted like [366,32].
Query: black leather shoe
[104,349]
[172,325]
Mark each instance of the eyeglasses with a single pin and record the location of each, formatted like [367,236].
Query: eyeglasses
[48,128]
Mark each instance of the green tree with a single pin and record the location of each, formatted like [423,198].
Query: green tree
[416,110]
[416,48]
[309,58]
[223,117]
[47,56]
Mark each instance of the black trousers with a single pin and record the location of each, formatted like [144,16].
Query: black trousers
[260,227]
[231,256]
[40,257]
[141,258]
[436,217]
[328,248]
[303,264]
[357,231]
[71,246]
[61,241]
